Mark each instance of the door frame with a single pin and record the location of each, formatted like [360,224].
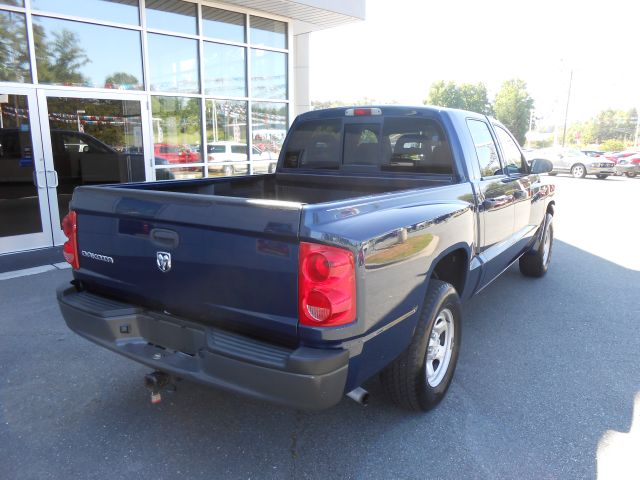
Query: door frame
[43,95]
[42,239]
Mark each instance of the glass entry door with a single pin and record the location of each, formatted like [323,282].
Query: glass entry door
[24,179]
[91,140]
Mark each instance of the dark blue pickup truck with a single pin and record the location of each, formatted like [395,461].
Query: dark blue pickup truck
[296,287]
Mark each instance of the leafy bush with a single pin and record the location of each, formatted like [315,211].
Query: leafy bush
[612,145]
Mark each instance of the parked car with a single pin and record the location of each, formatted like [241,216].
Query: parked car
[235,156]
[576,163]
[629,166]
[296,288]
[615,157]
[175,154]
[592,153]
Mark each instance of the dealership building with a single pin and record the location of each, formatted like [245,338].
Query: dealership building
[106,91]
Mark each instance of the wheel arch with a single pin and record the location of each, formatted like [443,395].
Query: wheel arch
[452,266]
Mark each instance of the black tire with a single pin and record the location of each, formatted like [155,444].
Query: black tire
[631,174]
[579,170]
[535,264]
[553,174]
[602,177]
[405,379]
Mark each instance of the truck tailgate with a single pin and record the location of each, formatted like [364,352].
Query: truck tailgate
[225,261]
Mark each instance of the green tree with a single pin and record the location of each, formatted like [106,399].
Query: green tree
[118,79]
[59,60]
[513,106]
[444,94]
[467,96]
[14,54]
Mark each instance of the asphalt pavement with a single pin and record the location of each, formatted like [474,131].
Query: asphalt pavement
[546,383]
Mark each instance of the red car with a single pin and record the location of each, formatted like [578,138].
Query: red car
[175,153]
[616,157]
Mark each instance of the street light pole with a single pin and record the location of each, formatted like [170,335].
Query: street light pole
[566,111]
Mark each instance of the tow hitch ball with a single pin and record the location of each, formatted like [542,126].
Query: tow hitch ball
[155,382]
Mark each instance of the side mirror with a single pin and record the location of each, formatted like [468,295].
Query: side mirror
[541,165]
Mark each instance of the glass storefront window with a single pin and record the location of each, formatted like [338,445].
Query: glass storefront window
[12,3]
[176,130]
[224,70]
[179,173]
[173,64]
[19,207]
[94,141]
[14,54]
[174,16]
[226,121]
[117,11]
[73,53]
[267,32]
[269,126]
[268,74]
[222,24]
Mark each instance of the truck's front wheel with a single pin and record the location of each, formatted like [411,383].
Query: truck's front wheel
[420,376]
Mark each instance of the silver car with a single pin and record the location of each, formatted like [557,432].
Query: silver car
[576,163]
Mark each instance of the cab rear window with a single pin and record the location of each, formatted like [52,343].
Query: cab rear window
[390,144]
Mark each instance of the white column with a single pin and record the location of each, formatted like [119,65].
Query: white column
[302,102]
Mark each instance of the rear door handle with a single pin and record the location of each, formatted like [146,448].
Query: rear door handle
[165,238]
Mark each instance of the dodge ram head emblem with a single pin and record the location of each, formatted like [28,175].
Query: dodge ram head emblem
[163,260]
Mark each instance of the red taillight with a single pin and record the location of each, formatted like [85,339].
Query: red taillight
[326,286]
[362,112]
[70,248]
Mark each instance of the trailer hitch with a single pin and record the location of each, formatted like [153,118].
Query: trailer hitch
[156,381]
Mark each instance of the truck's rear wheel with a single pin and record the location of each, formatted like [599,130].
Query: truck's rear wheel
[536,263]
[420,376]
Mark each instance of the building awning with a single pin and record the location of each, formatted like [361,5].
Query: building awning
[309,15]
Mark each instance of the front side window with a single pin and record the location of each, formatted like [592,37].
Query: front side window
[514,163]
[485,148]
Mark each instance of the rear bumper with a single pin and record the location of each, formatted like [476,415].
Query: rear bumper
[305,378]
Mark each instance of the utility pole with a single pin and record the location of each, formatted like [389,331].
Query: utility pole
[566,110]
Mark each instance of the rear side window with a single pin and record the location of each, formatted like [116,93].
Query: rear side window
[239,149]
[485,148]
[514,163]
[315,144]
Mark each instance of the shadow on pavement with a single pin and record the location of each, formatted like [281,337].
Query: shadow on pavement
[547,367]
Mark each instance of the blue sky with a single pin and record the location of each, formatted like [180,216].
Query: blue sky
[405,45]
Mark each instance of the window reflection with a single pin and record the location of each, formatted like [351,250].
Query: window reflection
[73,53]
[267,32]
[227,138]
[13,3]
[268,74]
[19,206]
[176,130]
[94,141]
[175,16]
[173,64]
[14,55]
[179,173]
[117,11]
[269,126]
[224,70]
[223,24]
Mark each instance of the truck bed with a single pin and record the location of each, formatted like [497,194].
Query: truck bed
[289,187]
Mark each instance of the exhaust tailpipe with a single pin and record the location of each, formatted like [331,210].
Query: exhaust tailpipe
[360,395]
